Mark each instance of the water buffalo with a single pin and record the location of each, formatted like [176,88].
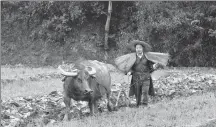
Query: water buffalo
[89,81]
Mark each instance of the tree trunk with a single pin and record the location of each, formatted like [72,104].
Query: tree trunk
[62,54]
[107,29]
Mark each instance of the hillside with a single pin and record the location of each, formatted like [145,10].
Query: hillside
[47,33]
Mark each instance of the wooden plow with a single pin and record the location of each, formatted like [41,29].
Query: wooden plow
[121,89]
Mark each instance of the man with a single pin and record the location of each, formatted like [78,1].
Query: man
[141,70]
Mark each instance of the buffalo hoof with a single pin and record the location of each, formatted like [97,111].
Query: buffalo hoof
[145,104]
[110,107]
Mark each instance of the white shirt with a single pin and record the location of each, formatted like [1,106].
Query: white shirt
[140,55]
[154,65]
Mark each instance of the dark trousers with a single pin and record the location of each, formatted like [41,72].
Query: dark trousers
[140,86]
[151,91]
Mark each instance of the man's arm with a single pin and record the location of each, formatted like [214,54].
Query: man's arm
[150,66]
[153,66]
[129,72]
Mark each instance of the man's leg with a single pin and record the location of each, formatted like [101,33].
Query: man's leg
[145,90]
[131,91]
[131,94]
[151,88]
[138,94]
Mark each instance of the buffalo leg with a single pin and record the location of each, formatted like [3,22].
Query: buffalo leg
[93,107]
[109,105]
[67,102]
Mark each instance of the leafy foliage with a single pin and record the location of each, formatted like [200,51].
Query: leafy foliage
[180,28]
[185,29]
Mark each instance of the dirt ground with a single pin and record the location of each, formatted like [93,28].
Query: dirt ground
[193,110]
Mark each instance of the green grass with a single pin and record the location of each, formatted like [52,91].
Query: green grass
[186,111]
[17,73]
[22,85]
[30,88]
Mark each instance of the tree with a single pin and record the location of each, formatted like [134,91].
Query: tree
[106,47]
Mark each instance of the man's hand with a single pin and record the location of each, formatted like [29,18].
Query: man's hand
[129,73]
[155,66]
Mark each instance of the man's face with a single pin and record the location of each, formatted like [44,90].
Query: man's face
[139,49]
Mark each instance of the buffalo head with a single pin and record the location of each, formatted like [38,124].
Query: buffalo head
[80,78]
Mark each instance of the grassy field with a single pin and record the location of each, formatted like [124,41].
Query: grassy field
[182,112]
[23,81]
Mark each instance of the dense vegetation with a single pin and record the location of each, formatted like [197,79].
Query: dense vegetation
[47,33]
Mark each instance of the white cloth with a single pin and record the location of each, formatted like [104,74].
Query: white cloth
[154,65]
[140,55]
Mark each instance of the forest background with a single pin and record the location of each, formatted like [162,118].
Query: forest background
[46,33]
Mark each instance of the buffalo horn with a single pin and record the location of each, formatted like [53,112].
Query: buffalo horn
[74,73]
